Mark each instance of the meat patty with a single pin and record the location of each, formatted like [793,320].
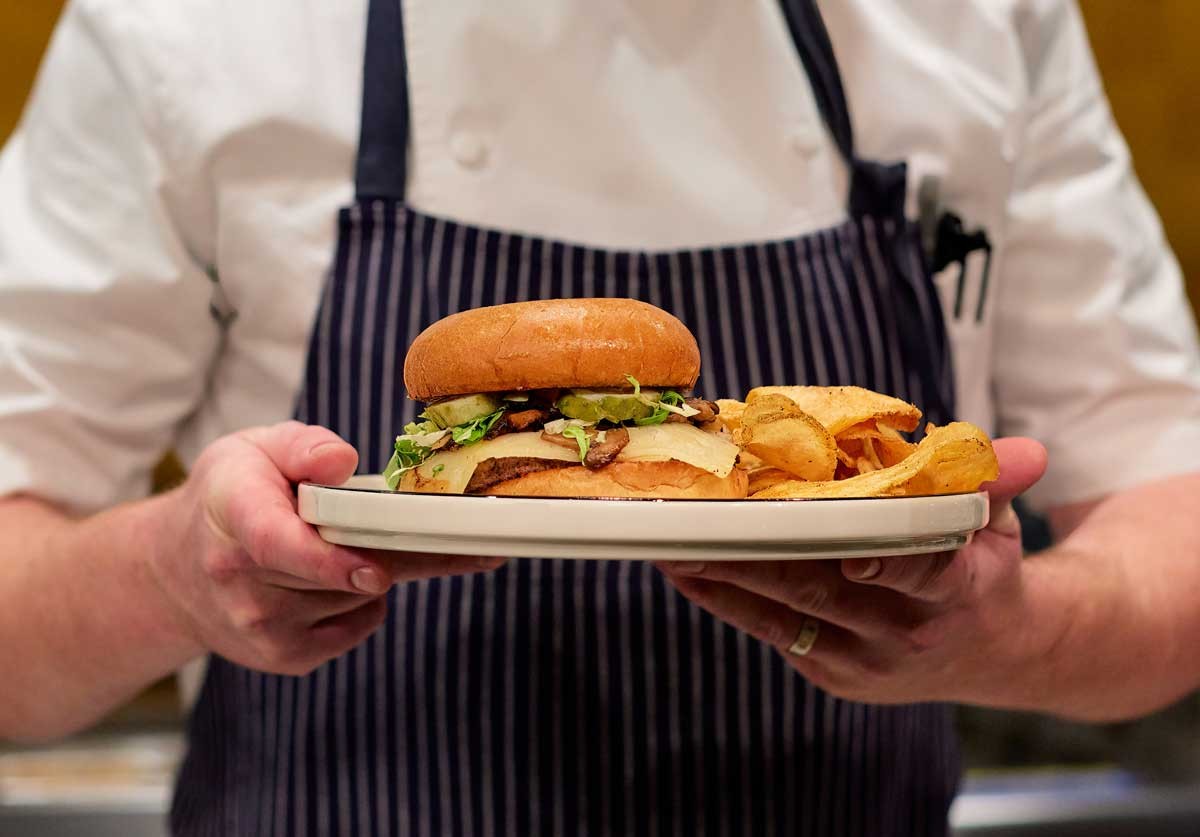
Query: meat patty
[525,419]
[491,472]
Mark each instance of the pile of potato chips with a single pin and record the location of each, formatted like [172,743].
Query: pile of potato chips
[844,442]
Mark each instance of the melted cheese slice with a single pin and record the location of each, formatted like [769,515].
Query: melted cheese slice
[658,443]
[685,442]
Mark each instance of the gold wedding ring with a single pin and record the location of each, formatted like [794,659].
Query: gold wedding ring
[806,639]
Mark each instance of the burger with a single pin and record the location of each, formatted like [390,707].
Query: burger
[562,398]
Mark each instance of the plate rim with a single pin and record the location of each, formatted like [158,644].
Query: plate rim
[306,484]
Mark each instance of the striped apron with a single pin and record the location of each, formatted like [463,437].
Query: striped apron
[563,697]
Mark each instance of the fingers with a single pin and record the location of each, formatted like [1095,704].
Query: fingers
[415,566]
[259,515]
[400,567]
[815,588]
[935,578]
[338,634]
[301,608]
[305,452]
[279,541]
[279,636]
[1022,463]
[768,621]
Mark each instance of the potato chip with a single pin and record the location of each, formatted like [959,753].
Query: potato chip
[847,454]
[729,417]
[949,460]
[892,451]
[840,408]
[887,445]
[782,435]
[872,455]
[763,478]
[749,462]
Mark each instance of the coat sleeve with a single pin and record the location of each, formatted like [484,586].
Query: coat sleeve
[106,335]
[1095,347]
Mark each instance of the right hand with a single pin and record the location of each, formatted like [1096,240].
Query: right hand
[253,582]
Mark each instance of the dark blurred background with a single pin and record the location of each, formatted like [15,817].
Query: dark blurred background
[1146,51]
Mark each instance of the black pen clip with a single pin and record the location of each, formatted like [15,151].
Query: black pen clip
[946,241]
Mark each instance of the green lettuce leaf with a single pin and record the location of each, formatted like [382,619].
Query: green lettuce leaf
[406,456]
[660,415]
[580,436]
[474,430]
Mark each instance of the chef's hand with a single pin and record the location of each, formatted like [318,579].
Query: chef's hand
[896,630]
[253,582]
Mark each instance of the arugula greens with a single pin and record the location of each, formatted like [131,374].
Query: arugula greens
[408,455]
[670,397]
[415,446]
[667,403]
[475,429]
[579,434]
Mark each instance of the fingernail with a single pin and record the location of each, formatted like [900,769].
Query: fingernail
[369,580]
[868,569]
[684,567]
[491,562]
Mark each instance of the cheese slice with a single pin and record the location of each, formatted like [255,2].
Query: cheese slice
[685,442]
[454,468]
[656,443]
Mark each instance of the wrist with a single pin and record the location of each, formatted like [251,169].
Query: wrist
[1026,629]
[158,542]
[1062,658]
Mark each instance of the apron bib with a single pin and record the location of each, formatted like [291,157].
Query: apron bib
[563,697]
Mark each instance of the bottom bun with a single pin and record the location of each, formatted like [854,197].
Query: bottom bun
[672,479]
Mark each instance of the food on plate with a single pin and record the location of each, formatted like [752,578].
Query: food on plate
[562,398]
[951,459]
[785,437]
[591,398]
[788,435]
[840,408]
[764,476]
[870,446]
[728,418]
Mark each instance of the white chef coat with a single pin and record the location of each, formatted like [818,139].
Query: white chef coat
[167,144]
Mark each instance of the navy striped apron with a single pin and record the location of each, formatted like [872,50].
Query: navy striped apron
[562,697]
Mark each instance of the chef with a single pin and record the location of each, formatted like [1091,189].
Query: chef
[210,207]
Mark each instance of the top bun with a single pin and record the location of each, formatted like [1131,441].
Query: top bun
[585,343]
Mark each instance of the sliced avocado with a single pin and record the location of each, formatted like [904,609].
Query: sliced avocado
[455,411]
[605,406]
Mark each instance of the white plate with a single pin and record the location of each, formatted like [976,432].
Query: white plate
[364,513]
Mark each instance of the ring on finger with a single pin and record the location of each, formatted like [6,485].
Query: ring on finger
[806,638]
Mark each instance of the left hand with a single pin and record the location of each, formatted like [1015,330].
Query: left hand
[950,626]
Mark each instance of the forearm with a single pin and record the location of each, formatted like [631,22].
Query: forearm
[1115,609]
[83,624]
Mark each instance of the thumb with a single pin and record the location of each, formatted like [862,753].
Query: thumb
[304,452]
[1022,463]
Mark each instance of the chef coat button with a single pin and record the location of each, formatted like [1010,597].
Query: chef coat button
[468,149]
[807,142]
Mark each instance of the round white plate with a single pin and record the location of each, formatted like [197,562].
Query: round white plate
[364,513]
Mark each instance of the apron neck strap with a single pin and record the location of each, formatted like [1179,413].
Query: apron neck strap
[382,168]
[816,53]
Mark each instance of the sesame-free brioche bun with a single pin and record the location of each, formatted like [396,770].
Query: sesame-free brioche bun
[560,343]
[670,480]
